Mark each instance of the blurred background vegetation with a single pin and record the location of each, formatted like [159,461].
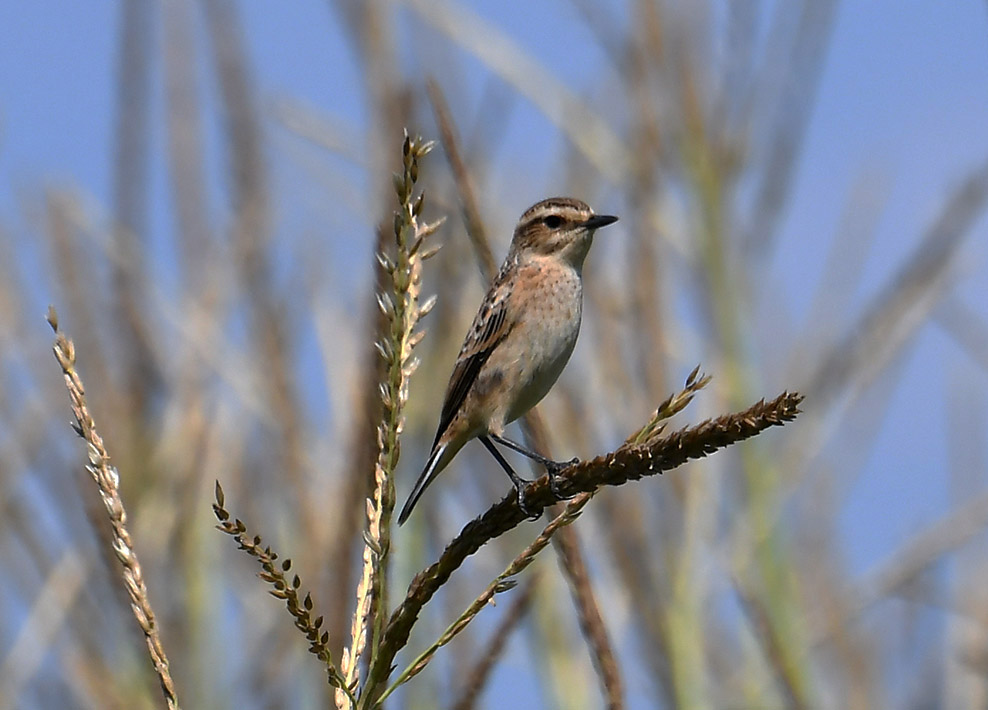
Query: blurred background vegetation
[213,259]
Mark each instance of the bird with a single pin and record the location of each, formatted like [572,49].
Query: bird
[520,340]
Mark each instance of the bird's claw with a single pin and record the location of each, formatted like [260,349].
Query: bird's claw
[530,514]
[554,468]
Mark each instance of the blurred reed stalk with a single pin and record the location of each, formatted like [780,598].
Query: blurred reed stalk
[236,234]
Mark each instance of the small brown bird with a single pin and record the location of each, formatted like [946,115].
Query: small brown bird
[520,340]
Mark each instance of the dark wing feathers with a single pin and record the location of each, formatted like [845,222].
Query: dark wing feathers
[488,330]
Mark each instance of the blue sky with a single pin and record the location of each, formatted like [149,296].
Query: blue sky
[903,105]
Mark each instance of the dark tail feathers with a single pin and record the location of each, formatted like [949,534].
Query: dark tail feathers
[425,478]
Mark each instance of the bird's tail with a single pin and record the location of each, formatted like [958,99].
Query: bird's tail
[430,471]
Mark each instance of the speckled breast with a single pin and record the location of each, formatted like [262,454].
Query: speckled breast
[551,326]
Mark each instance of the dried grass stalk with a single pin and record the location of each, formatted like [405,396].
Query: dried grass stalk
[107,478]
[628,463]
[502,583]
[400,305]
[290,590]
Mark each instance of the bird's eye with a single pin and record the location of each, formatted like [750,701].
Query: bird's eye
[553,221]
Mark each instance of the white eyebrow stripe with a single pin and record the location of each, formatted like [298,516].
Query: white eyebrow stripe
[567,211]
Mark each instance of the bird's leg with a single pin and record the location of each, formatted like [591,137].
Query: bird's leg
[548,463]
[552,467]
[516,480]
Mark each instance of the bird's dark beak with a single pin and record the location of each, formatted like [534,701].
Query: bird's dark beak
[600,220]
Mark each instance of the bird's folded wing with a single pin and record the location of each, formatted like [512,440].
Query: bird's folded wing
[489,328]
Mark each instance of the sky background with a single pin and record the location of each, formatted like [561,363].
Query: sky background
[900,119]
[903,105]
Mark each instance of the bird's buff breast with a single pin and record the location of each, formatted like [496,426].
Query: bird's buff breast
[549,303]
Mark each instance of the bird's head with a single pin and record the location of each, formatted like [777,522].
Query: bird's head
[559,226]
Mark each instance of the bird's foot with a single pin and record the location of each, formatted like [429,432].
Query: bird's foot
[554,468]
[520,485]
